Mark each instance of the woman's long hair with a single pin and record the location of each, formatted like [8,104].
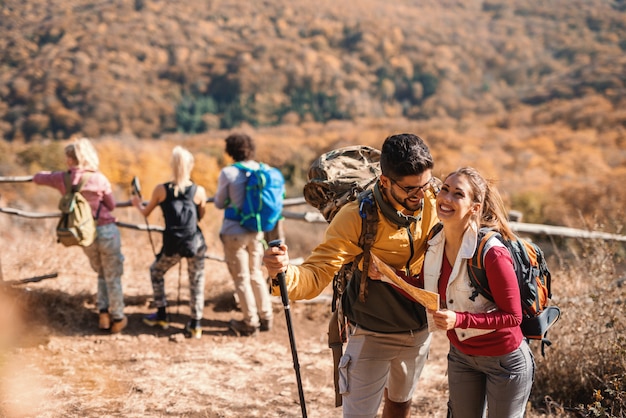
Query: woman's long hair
[493,214]
[84,154]
[182,163]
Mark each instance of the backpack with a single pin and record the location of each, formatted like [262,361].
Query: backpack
[77,225]
[533,277]
[334,179]
[263,203]
[182,235]
[534,280]
[338,176]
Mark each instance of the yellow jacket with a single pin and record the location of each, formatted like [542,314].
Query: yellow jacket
[340,246]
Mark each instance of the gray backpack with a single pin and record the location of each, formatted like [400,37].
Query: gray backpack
[338,176]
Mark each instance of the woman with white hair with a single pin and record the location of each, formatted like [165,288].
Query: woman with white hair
[183,204]
[105,255]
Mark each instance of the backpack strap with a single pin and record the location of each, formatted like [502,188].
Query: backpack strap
[67,178]
[232,211]
[476,267]
[242,167]
[434,230]
[369,215]
[369,226]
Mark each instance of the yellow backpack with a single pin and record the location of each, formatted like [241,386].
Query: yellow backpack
[77,225]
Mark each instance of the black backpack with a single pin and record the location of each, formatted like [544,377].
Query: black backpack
[534,280]
[182,235]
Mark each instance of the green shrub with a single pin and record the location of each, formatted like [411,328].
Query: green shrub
[321,106]
[190,110]
[429,81]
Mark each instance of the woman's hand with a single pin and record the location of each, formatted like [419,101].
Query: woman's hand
[276,260]
[444,319]
[136,201]
[373,272]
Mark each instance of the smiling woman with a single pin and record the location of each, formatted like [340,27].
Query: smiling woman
[485,337]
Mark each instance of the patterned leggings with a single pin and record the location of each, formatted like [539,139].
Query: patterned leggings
[195,270]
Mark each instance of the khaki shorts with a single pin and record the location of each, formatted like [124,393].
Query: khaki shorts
[374,361]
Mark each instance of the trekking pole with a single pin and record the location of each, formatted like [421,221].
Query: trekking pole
[137,190]
[285,298]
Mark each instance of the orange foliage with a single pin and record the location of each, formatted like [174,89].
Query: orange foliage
[552,173]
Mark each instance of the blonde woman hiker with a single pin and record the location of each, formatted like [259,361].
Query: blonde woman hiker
[104,254]
[183,204]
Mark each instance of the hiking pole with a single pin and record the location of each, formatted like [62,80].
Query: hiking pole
[136,189]
[285,298]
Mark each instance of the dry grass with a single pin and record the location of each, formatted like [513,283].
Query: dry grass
[54,362]
[585,369]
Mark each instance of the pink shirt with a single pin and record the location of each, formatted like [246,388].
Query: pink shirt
[97,189]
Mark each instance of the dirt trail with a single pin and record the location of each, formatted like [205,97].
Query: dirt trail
[56,363]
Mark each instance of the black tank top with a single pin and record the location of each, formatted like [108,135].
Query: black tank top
[182,234]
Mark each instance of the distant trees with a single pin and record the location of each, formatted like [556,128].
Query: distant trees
[150,68]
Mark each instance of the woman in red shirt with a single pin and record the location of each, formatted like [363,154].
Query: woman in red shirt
[490,365]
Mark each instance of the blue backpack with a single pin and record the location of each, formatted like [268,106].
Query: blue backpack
[263,202]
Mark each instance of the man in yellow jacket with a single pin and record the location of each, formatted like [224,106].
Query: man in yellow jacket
[388,337]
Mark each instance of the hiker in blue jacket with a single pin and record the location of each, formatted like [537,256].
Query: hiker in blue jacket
[243,249]
[183,204]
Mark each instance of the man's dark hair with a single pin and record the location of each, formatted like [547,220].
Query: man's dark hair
[405,155]
[240,147]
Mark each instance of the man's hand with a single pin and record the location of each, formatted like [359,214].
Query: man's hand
[276,260]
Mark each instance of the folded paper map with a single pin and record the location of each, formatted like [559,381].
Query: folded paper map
[425,298]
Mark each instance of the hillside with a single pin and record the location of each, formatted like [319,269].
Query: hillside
[151,67]
[531,93]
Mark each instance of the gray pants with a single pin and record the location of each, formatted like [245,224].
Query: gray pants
[195,271]
[504,382]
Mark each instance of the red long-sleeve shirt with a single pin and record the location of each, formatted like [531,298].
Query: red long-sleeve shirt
[505,320]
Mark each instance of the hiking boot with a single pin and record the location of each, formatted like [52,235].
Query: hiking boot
[104,321]
[153,320]
[193,332]
[266,325]
[241,329]
[119,324]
